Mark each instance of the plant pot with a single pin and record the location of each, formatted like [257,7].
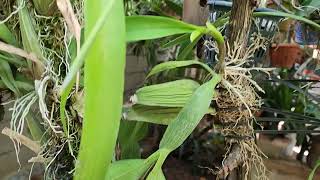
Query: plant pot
[285,55]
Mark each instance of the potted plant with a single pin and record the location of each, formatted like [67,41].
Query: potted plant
[285,55]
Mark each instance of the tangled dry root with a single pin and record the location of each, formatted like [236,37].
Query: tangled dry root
[236,102]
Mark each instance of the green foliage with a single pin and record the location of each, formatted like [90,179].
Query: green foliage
[288,15]
[176,133]
[124,169]
[28,34]
[30,39]
[130,134]
[156,27]
[6,36]
[132,169]
[309,6]
[80,58]
[152,114]
[194,39]
[190,115]
[158,7]
[170,94]
[7,77]
[311,175]
[176,64]
[105,58]
[178,40]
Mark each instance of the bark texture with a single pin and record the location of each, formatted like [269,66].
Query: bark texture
[239,29]
[195,12]
[240,22]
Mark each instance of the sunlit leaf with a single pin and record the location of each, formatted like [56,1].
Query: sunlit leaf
[103,103]
[152,27]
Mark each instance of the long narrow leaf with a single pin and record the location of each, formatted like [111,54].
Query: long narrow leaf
[103,98]
[290,114]
[309,7]
[314,170]
[132,169]
[123,170]
[152,27]
[287,15]
[79,60]
[176,64]
[180,39]
[7,36]
[187,120]
[20,85]
[188,49]
[292,86]
[189,117]
[30,39]
[13,59]
[7,77]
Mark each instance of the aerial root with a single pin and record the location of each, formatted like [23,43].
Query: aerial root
[236,102]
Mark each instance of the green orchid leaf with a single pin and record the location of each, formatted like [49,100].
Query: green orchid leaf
[287,15]
[6,36]
[190,115]
[188,49]
[103,103]
[7,77]
[130,134]
[176,64]
[152,27]
[180,39]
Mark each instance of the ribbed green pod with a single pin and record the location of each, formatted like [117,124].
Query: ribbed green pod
[170,94]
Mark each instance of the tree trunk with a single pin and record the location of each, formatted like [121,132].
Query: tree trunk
[240,22]
[239,29]
[195,12]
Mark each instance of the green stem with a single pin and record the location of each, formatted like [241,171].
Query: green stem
[221,45]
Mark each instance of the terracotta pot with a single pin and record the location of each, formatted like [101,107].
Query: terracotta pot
[285,55]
